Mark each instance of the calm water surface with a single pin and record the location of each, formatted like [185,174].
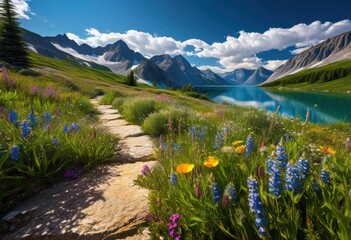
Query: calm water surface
[325,107]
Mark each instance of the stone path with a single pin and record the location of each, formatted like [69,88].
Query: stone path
[103,204]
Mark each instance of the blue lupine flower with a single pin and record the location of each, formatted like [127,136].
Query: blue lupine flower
[249,145]
[176,147]
[304,167]
[47,117]
[230,191]
[194,133]
[275,183]
[32,119]
[325,176]
[218,141]
[293,178]
[55,141]
[14,153]
[216,192]
[256,206]
[262,231]
[282,156]
[25,129]
[173,178]
[74,127]
[269,165]
[13,117]
[66,129]
[225,133]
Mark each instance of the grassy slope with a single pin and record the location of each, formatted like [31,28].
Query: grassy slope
[86,78]
[333,77]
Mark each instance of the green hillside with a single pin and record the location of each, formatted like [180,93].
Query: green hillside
[74,72]
[333,77]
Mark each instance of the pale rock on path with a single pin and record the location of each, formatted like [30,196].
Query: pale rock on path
[103,204]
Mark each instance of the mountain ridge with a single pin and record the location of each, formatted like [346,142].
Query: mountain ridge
[331,50]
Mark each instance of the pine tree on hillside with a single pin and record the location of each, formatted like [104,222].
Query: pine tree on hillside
[12,48]
[130,80]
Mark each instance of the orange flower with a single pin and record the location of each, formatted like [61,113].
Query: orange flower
[185,168]
[240,149]
[211,162]
[327,150]
[236,142]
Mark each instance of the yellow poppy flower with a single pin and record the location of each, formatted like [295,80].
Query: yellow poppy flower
[327,150]
[240,149]
[236,142]
[211,162]
[185,168]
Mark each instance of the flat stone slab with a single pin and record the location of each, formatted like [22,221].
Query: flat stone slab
[104,204]
[108,111]
[103,107]
[109,117]
[116,123]
[127,131]
[134,149]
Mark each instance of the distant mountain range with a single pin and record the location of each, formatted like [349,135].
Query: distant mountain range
[243,76]
[164,70]
[175,72]
[331,50]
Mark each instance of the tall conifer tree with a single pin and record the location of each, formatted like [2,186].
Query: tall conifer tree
[12,48]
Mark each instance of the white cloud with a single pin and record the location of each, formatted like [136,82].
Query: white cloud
[273,64]
[22,9]
[299,50]
[234,52]
[142,42]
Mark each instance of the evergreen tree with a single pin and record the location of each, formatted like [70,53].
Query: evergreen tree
[12,48]
[130,80]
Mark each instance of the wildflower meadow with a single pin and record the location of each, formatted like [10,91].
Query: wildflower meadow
[227,176]
[47,132]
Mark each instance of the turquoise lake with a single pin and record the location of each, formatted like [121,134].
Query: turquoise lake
[325,107]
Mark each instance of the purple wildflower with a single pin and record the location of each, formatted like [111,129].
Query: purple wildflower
[50,92]
[173,226]
[33,90]
[71,174]
[146,170]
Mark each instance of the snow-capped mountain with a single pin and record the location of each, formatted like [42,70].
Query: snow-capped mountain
[175,72]
[244,76]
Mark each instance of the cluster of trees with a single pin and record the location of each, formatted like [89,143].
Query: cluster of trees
[12,48]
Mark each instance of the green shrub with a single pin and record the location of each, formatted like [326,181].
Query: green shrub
[118,103]
[157,123]
[197,95]
[27,72]
[110,96]
[136,110]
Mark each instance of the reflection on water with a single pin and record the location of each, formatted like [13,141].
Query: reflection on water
[325,107]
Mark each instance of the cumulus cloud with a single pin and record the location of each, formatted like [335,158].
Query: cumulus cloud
[145,43]
[22,9]
[234,52]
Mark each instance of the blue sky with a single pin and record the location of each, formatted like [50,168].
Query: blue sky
[219,34]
